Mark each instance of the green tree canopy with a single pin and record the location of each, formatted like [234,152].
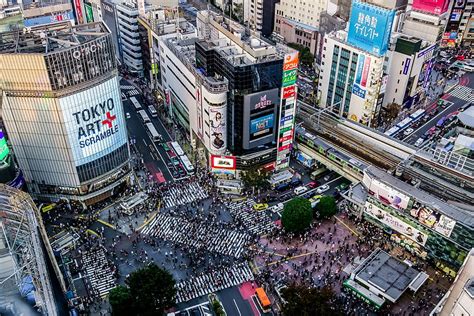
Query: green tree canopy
[326,206]
[152,290]
[305,54]
[256,178]
[304,301]
[120,300]
[297,215]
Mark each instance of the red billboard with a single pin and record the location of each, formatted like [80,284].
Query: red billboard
[431,6]
[289,92]
[223,162]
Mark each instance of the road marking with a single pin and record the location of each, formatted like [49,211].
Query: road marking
[345,225]
[235,303]
[291,258]
[90,231]
[106,223]
[143,139]
[151,218]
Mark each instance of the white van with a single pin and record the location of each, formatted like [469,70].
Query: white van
[152,110]
[300,190]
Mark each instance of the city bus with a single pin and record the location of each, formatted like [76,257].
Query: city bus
[263,299]
[418,114]
[177,148]
[315,174]
[152,132]
[135,103]
[187,164]
[152,111]
[144,117]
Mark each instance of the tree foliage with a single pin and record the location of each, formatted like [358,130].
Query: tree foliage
[390,112]
[150,291]
[326,206]
[306,57]
[297,215]
[256,178]
[304,301]
[121,301]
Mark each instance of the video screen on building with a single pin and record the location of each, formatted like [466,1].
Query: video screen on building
[262,126]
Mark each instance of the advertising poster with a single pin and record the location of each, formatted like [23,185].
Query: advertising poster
[389,195]
[370,27]
[358,91]
[217,125]
[360,68]
[200,124]
[432,219]
[424,76]
[435,7]
[89,12]
[49,19]
[261,126]
[395,223]
[365,72]
[4,151]
[78,9]
[223,162]
[94,121]
[289,77]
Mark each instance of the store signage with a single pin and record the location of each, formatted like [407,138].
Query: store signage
[263,103]
[289,77]
[77,5]
[406,66]
[49,19]
[289,92]
[291,61]
[87,49]
[358,91]
[436,7]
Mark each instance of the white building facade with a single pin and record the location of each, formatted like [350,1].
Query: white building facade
[129,38]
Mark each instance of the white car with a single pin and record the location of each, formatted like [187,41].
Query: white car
[408,131]
[278,207]
[322,188]
[127,115]
[419,141]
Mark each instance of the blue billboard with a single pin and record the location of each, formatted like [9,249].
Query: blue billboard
[49,19]
[370,27]
[261,125]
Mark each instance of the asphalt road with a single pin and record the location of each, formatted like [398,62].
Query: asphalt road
[468,81]
[154,156]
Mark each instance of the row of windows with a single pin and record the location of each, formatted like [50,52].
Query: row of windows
[103,165]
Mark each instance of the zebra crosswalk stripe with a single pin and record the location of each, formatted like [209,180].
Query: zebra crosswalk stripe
[463,93]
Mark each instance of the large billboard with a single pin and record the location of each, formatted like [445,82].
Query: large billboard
[260,110]
[49,19]
[223,164]
[436,7]
[395,223]
[370,27]
[94,121]
[388,194]
[439,222]
[217,125]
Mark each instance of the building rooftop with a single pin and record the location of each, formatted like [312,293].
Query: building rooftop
[50,39]
[422,197]
[386,273]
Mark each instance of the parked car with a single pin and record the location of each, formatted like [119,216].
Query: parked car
[277,208]
[408,131]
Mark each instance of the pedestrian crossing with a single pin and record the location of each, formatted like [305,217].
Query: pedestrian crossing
[212,282]
[463,93]
[99,272]
[258,223]
[197,235]
[123,95]
[127,87]
[177,195]
[133,92]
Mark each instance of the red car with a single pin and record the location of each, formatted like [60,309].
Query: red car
[312,185]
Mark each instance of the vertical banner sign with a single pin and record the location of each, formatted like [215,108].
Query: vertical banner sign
[287,110]
[79,16]
[365,72]
[89,12]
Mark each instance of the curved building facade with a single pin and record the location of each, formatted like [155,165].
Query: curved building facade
[62,110]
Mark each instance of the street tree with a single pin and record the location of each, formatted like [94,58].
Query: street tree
[120,300]
[256,178]
[306,57]
[297,215]
[152,290]
[326,206]
[309,301]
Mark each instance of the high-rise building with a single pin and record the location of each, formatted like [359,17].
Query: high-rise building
[62,111]
[261,15]
[460,25]
[298,21]
[224,88]
[426,20]
[129,38]
[350,80]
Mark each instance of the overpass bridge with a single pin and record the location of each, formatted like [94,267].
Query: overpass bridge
[374,148]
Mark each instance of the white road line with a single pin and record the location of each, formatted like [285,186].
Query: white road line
[145,142]
[237,307]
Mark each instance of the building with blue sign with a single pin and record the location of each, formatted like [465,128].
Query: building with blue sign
[370,27]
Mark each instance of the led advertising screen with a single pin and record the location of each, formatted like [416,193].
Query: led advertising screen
[395,223]
[436,7]
[261,126]
[4,151]
[94,121]
[370,27]
[223,162]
